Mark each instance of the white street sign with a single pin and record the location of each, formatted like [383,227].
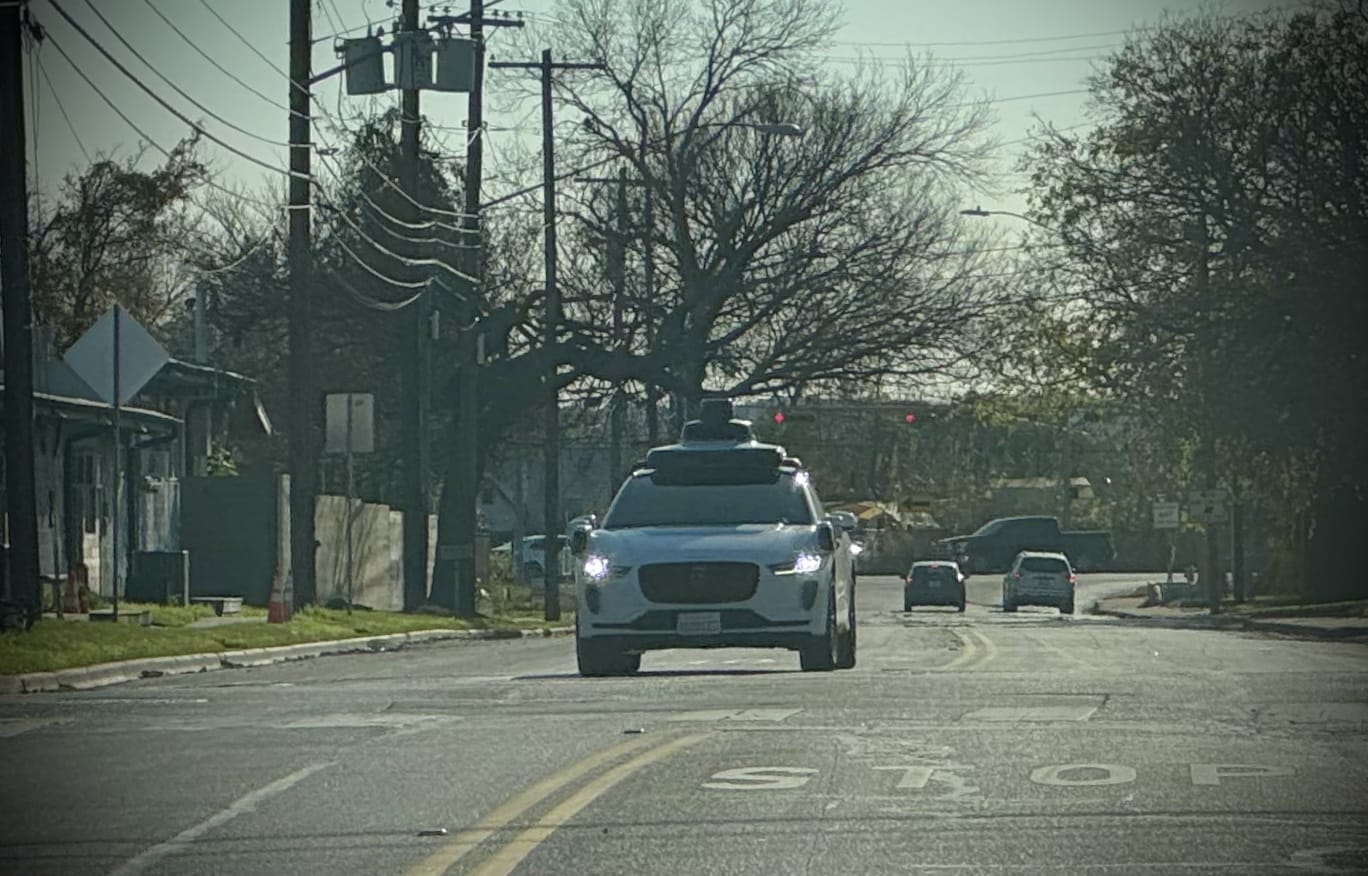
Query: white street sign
[360,426]
[1167,515]
[92,356]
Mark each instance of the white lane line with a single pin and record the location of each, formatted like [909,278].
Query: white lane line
[241,806]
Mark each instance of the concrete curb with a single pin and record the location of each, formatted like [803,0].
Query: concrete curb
[104,674]
[1226,622]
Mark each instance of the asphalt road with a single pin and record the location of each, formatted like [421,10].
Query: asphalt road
[981,742]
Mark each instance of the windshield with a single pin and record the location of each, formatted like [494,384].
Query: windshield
[644,502]
[1052,565]
[922,574]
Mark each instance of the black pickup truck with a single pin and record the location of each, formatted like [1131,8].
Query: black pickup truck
[994,545]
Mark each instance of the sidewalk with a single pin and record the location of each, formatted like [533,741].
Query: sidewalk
[1340,621]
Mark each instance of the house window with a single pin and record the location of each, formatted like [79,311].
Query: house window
[87,487]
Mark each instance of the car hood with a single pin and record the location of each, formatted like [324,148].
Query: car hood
[755,542]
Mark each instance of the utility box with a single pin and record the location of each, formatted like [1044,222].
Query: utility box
[365,60]
[455,64]
[162,577]
[413,60]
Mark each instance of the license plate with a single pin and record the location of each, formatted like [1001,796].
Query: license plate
[698,623]
[933,584]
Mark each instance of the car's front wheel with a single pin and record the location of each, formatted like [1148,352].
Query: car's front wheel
[1007,604]
[819,655]
[596,659]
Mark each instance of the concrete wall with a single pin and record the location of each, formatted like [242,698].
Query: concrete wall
[377,553]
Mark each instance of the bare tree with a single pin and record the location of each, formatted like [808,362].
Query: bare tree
[783,262]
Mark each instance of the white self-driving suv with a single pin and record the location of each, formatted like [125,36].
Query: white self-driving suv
[716,542]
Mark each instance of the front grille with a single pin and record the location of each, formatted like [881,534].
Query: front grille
[695,583]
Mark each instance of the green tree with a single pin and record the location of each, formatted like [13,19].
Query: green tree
[116,233]
[1213,225]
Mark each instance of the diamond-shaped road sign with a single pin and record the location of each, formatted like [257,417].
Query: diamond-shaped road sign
[92,356]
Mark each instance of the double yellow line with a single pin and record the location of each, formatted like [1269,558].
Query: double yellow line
[507,857]
[979,650]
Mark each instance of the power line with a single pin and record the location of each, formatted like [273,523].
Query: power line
[327,117]
[168,107]
[143,134]
[372,303]
[884,61]
[337,131]
[174,87]
[205,55]
[62,108]
[1002,42]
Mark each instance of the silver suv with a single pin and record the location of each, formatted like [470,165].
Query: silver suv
[1039,578]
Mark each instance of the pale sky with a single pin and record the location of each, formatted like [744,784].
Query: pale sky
[1031,56]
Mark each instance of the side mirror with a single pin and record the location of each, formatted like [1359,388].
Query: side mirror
[826,537]
[579,540]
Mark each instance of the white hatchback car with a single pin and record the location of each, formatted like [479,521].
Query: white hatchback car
[716,542]
[1039,578]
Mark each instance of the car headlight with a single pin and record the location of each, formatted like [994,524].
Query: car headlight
[803,564]
[597,567]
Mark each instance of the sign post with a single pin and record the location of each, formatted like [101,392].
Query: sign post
[1167,516]
[116,357]
[350,429]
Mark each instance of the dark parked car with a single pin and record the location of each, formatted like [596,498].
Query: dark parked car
[994,546]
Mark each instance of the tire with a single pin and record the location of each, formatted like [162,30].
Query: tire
[600,659]
[1067,607]
[960,607]
[907,606]
[1008,605]
[846,647]
[820,654]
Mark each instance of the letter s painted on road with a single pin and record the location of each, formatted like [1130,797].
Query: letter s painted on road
[765,778]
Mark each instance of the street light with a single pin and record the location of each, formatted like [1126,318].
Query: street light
[777,129]
[980,212]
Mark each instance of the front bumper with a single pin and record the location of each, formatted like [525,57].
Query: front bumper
[783,612]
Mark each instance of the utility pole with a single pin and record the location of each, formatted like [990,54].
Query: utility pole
[617,273]
[618,267]
[303,403]
[21,504]
[1211,574]
[454,567]
[648,281]
[466,470]
[415,356]
[551,482]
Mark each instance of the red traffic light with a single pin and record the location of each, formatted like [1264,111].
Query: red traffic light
[909,419]
[779,418]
